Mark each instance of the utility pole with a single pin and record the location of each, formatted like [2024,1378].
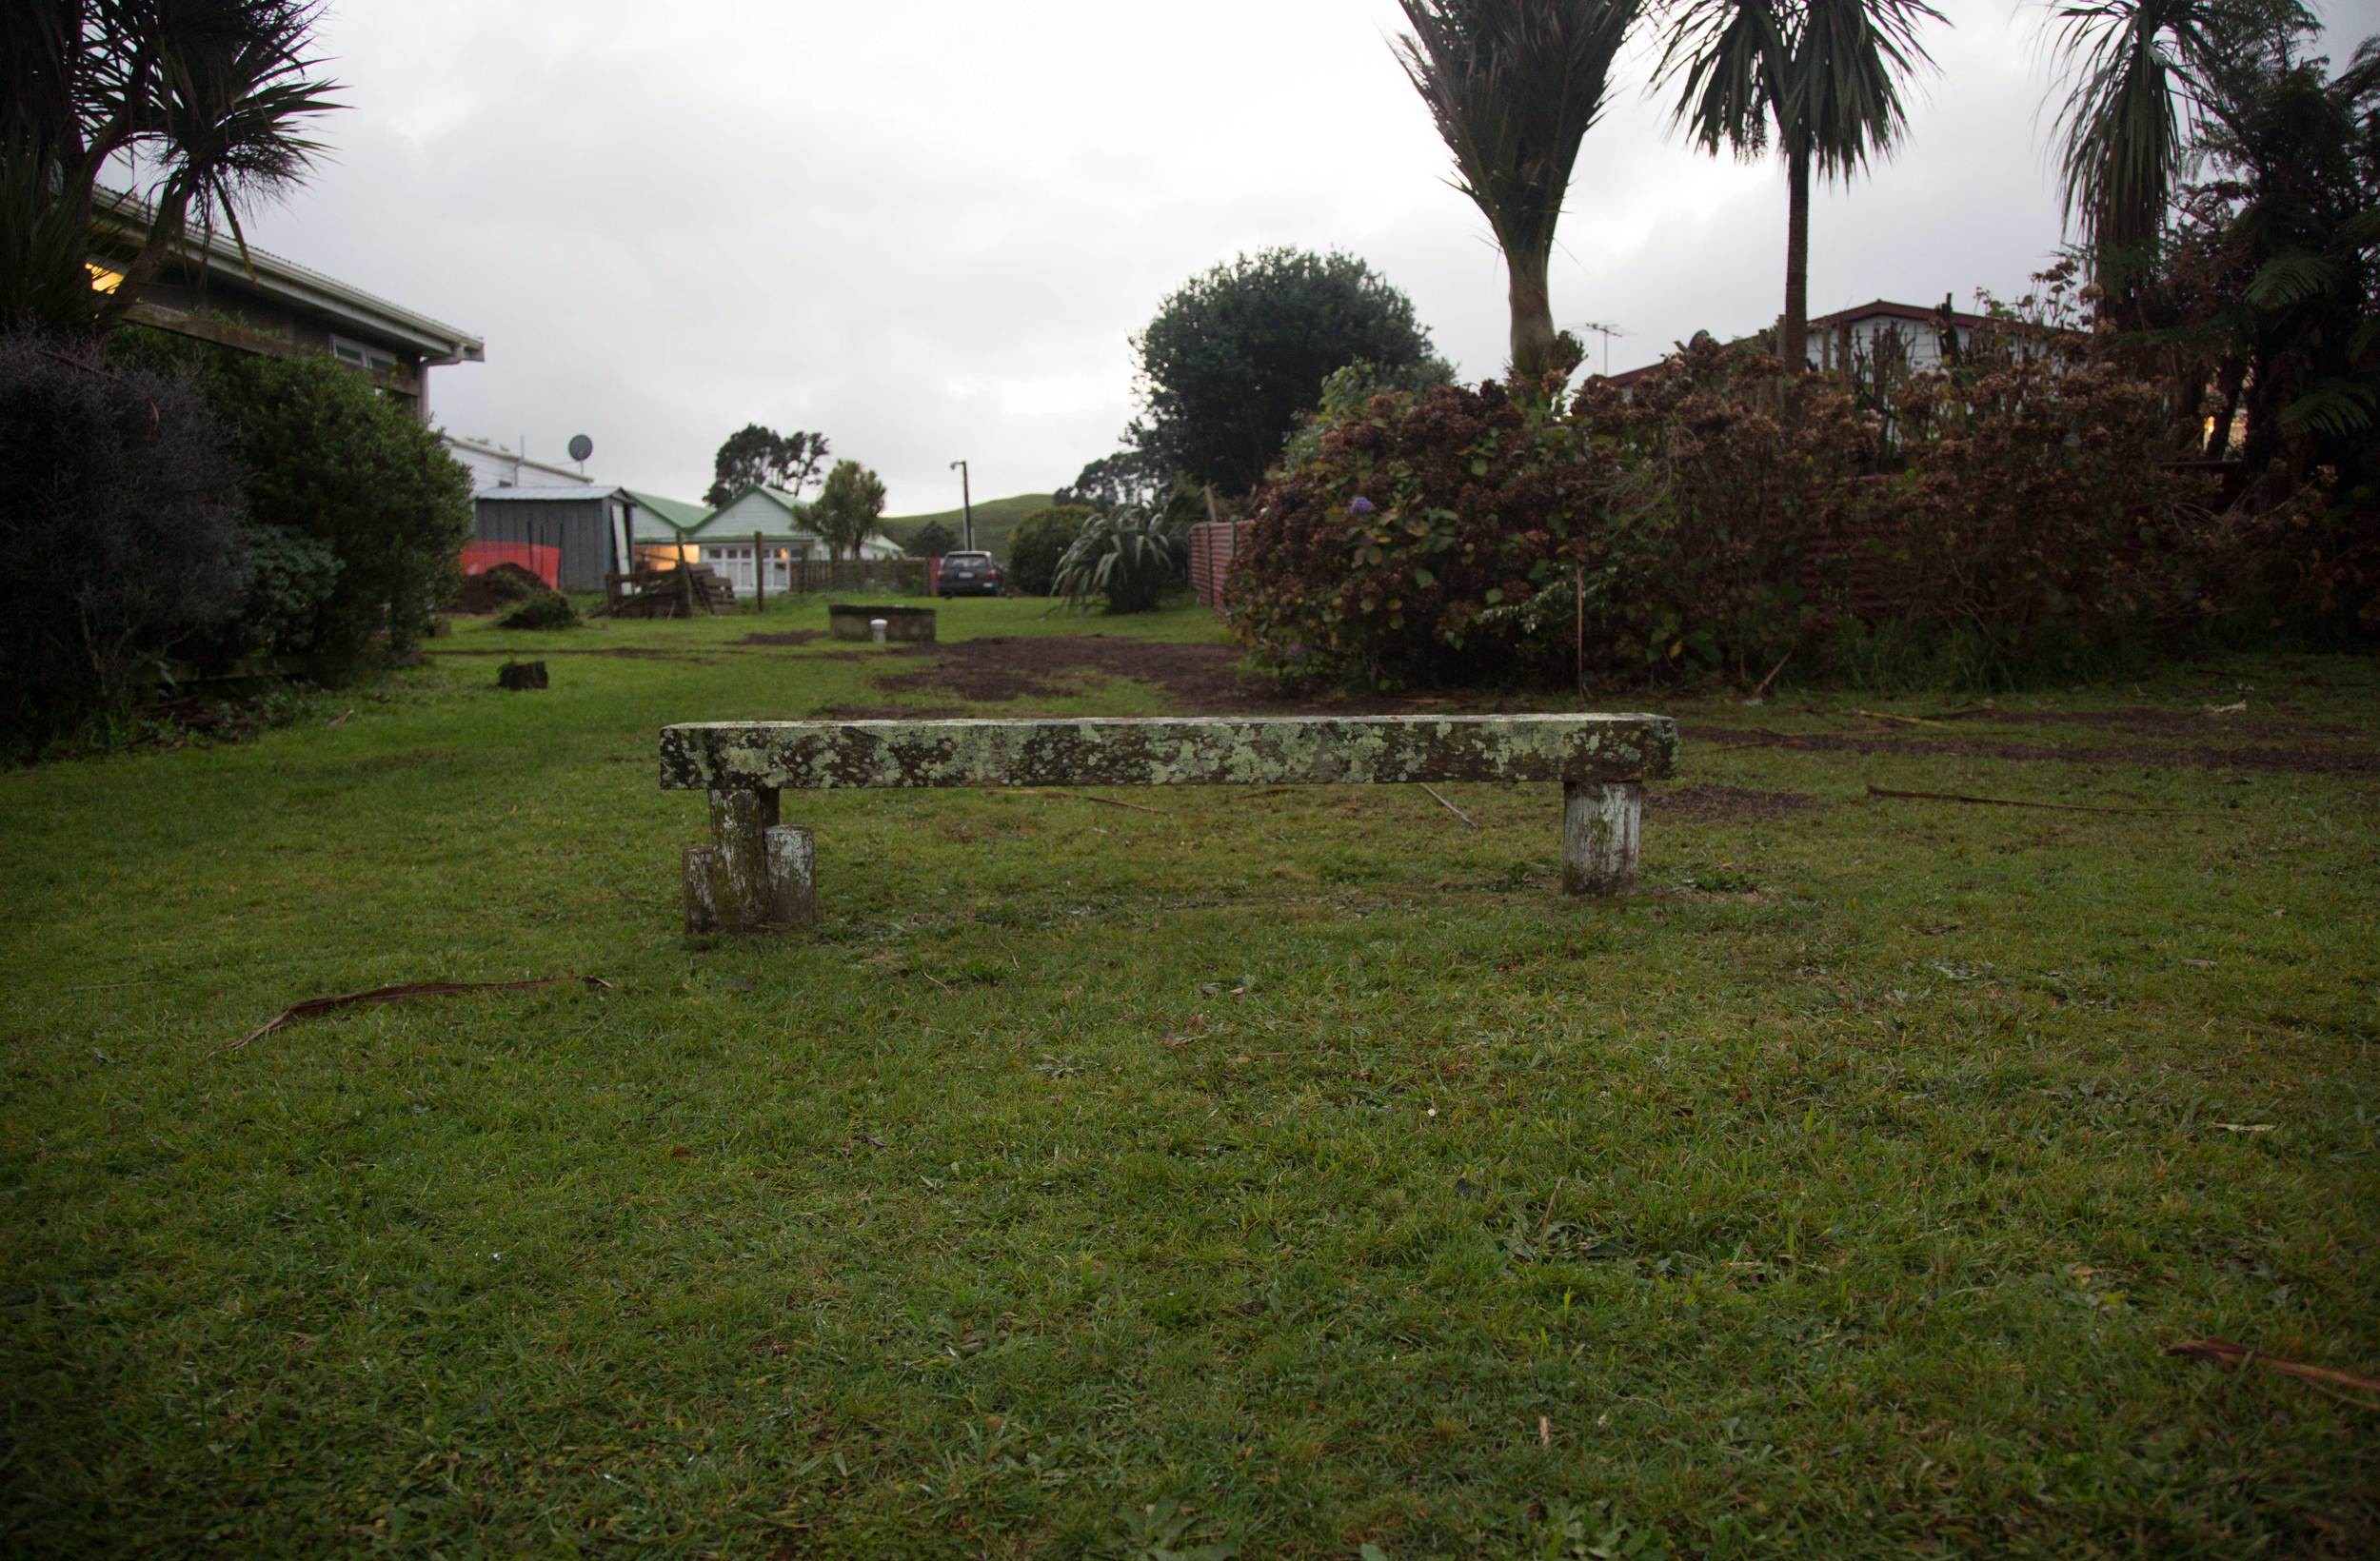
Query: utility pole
[966,505]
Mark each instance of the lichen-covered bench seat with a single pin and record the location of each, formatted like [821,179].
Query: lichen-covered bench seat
[756,874]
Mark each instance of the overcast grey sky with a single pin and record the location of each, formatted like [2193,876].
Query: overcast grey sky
[928,228]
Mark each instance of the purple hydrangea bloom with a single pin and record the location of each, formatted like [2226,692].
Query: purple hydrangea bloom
[1360,505]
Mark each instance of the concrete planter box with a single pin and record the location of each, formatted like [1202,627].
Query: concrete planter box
[851,623]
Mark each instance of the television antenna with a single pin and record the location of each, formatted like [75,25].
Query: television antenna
[1607,331]
[580,447]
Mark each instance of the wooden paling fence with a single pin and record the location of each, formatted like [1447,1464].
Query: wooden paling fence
[1213,546]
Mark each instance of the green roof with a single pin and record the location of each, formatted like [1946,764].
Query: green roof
[675,513]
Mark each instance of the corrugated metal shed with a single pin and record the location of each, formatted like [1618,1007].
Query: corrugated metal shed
[588,524]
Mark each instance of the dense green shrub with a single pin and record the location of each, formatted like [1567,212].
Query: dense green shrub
[1234,357]
[1038,542]
[286,583]
[540,609]
[1389,553]
[2038,518]
[1127,561]
[1723,515]
[120,543]
[1724,475]
[330,458]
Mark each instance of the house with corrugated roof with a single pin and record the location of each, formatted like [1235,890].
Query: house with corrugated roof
[1881,340]
[213,288]
[767,529]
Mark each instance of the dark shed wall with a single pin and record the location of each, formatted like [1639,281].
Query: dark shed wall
[578,526]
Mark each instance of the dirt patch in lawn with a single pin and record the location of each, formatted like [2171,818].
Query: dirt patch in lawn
[2149,720]
[653,653]
[789,636]
[1727,804]
[890,712]
[2282,760]
[1205,680]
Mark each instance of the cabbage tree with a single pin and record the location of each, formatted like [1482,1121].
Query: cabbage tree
[1818,79]
[203,105]
[1514,85]
[2143,80]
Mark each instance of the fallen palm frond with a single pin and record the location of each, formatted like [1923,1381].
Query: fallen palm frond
[399,993]
[2239,1357]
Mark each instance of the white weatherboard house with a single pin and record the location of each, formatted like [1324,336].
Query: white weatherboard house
[1894,338]
[763,528]
[492,465]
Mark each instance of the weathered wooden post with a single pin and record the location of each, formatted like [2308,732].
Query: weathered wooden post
[1600,820]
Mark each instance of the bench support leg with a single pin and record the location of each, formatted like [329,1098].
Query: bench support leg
[755,876]
[1599,823]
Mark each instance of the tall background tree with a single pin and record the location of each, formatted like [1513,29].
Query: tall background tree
[849,504]
[202,105]
[1130,479]
[1820,79]
[1514,85]
[757,457]
[2143,80]
[1233,359]
[930,541]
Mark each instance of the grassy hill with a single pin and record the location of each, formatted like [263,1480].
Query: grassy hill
[995,518]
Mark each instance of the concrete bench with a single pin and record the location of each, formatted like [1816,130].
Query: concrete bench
[756,874]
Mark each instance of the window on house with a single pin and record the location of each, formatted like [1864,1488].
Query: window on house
[361,355]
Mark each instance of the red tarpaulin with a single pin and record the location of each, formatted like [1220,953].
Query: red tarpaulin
[539,560]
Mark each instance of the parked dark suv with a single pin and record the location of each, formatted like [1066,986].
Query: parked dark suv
[970,574]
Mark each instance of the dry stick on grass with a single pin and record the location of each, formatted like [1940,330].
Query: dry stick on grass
[399,993]
[2237,1357]
[1762,737]
[1447,805]
[1762,692]
[1897,721]
[2009,802]
[1103,801]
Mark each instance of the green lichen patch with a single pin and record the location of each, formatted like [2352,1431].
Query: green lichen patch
[1261,751]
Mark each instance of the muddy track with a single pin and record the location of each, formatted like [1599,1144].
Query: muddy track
[2281,761]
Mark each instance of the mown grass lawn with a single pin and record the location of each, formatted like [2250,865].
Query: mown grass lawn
[1290,1171]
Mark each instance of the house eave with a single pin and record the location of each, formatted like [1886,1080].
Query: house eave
[286,282]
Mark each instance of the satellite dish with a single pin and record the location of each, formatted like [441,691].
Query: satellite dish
[580,447]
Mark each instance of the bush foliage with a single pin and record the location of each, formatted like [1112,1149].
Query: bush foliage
[2016,514]
[332,462]
[120,542]
[540,609]
[1235,357]
[1039,542]
[1126,560]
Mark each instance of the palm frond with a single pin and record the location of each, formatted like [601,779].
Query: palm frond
[2293,278]
[1843,93]
[2334,408]
[1731,57]
[2142,78]
[1513,86]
